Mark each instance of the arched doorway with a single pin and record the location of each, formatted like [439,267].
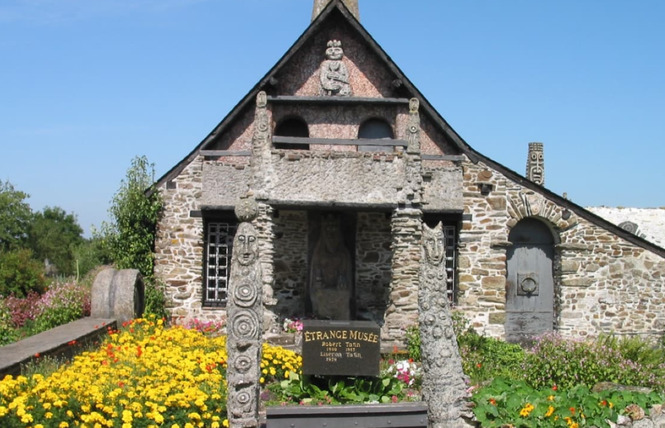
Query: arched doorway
[530,281]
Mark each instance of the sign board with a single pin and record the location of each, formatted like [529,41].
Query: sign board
[345,348]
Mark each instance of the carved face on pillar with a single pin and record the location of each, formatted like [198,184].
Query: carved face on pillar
[433,244]
[245,244]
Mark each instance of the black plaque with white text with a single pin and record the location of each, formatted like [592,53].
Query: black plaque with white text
[345,348]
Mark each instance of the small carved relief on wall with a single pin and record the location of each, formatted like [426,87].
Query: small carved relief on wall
[333,73]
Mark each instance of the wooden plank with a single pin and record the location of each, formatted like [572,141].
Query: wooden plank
[225,153]
[292,99]
[279,139]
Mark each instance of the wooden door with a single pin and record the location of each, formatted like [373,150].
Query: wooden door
[530,281]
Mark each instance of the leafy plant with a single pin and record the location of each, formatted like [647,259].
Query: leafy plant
[515,403]
[155,299]
[484,358]
[20,273]
[568,363]
[7,332]
[61,304]
[338,389]
[134,210]
[413,342]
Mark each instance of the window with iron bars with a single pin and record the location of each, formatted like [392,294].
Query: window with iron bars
[217,263]
[450,237]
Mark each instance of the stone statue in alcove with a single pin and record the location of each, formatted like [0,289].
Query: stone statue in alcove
[331,273]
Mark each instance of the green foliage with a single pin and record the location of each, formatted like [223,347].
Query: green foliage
[7,332]
[641,351]
[54,235]
[413,342]
[61,304]
[89,255]
[337,389]
[15,217]
[515,403]
[20,273]
[155,300]
[484,358]
[129,239]
[567,363]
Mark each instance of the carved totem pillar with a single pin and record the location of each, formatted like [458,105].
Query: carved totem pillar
[245,314]
[444,388]
[535,163]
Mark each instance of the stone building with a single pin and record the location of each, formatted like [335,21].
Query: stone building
[347,160]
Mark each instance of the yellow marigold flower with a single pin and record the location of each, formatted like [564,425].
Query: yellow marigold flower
[550,410]
[550,398]
[63,425]
[526,410]
[127,416]
[3,411]
[226,423]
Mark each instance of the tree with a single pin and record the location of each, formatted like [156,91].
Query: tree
[20,273]
[15,217]
[129,239]
[134,210]
[54,235]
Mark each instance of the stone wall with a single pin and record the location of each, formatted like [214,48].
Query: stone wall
[179,245]
[373,263]
[604,283]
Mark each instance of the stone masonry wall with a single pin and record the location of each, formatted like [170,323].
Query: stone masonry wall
[290,263]
[605,284]
[373,265]
[179,246]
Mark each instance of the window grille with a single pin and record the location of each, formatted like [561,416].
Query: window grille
[219,244]
[450,237]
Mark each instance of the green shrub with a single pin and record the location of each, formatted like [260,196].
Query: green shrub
[413,342]
[485,358]
[567,363]
[61,304]
[7,332]
[155,299]
[20,273]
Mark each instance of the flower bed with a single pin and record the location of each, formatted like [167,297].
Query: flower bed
[144,375]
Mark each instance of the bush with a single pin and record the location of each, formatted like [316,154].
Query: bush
[567,363]
[485,358]
[23,310]
[20,273]
[61,304]
[7,332]
[155,299]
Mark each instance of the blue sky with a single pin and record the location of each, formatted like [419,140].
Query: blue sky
[85,86]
